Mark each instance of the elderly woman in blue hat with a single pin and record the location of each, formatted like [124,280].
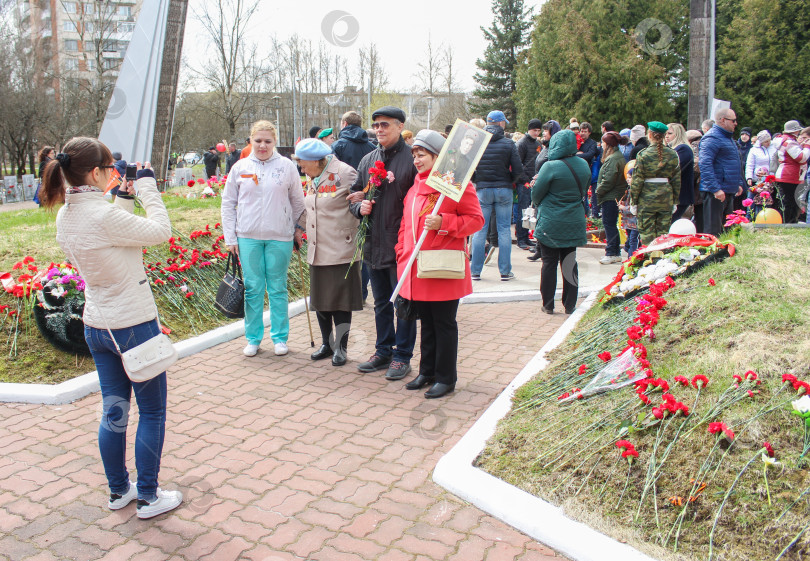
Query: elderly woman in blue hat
[435,299]
[331,231]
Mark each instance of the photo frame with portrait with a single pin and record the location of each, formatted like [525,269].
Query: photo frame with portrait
[458,159]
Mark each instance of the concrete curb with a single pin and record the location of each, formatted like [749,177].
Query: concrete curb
[77,388]
[539,519]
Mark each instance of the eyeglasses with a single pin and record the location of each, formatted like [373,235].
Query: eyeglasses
[732,120]
[380,125]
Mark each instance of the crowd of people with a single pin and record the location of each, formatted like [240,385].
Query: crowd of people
[564,173]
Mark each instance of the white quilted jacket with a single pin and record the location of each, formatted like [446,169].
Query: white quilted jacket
[105,242]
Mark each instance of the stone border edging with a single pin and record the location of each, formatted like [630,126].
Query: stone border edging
[537,518]
[81,386]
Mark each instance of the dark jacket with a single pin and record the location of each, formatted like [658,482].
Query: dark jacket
[744,148]
[233,157]
[557,196]
[611,184]
[720,166]
[211,161]
[351,145]
[527,152]
[386,214]
[641,144]
[588,149]
[500,165]
[686,158]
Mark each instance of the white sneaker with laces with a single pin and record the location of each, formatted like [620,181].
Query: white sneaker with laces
[251,350]
[609,259]
[165,501]
[120,501]
[281,349]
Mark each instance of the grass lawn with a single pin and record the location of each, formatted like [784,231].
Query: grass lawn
[33,233]
[755,318]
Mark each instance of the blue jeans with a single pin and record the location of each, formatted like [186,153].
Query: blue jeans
[116,392]
[524,201]
[501,199]
[610,218]
[631,245]
[383,282]
[265,264]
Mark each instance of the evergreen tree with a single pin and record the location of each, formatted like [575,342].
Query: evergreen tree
[764,63]
[497,78]
[584,61]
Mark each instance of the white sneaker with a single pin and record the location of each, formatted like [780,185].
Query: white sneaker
[281,349]
[165,501]
[120,501]
[607,260]
[251,350]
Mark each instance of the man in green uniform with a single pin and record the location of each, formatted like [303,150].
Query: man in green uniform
[656,184]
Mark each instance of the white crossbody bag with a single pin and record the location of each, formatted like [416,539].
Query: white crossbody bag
[437,263]
[147,360]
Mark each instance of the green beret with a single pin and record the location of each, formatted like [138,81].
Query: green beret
[324,133]
[657,126]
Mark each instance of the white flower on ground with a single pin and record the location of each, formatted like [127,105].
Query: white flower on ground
[802,405]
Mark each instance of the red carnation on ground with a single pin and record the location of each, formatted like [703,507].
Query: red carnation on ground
[700,378]
[683,380]
[582,369]
[711,282]
[769,449]
[605,356]
[788,378]
[658,413]
[191,183]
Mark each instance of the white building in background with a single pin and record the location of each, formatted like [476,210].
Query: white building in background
[84,40]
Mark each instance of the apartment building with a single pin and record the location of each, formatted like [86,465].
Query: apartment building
[77,40]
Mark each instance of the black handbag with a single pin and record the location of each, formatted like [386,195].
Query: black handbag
[231,292]
[406,309]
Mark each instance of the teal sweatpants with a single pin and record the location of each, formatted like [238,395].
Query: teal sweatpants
[264,265]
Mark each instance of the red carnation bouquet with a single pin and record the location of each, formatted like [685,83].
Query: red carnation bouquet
[376,175]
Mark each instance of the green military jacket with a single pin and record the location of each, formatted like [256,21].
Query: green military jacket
[656,196]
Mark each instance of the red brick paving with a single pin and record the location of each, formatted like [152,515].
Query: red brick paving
[279,458]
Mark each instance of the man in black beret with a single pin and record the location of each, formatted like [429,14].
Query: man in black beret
[394,345]
[313,131]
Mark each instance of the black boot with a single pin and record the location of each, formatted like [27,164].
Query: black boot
[420,382]
[324,352]
[339,358]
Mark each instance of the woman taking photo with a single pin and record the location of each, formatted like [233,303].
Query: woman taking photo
[675,138]
[262,203]
[610,187]
[104,241]
[436,300]
[331,232]
[558,193]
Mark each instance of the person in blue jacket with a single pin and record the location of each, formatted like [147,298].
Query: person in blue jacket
[721,176]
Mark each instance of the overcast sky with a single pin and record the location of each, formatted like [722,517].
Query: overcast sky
[399,29]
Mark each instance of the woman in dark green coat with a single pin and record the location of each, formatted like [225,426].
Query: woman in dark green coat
[610,187]
[558,193]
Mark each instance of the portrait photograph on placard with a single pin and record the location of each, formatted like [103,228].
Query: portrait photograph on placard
[457,161]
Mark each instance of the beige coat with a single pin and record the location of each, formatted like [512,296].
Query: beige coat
[105,241]
[331,228]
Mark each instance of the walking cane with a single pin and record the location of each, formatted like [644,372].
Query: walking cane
[303,289]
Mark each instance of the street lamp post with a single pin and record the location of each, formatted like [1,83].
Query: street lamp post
[277,100]
[294,116]
[430,107]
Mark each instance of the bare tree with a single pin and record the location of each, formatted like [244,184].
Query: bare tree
[238,71]
[430,68]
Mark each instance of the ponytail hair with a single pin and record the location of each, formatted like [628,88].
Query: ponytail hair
[658,139]
[78,158]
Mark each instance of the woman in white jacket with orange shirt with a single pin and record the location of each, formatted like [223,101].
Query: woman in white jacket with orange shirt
[262,203]
[104,241]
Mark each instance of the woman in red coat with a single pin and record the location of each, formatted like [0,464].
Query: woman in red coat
[436,300]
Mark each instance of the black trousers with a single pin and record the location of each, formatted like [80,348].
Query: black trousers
[787,192]
[439,344]
[566,258]
[342,322]
[715,212]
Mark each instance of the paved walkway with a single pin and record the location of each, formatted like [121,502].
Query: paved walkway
[279,458]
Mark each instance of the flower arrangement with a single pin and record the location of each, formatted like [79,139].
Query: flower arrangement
[376,175]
